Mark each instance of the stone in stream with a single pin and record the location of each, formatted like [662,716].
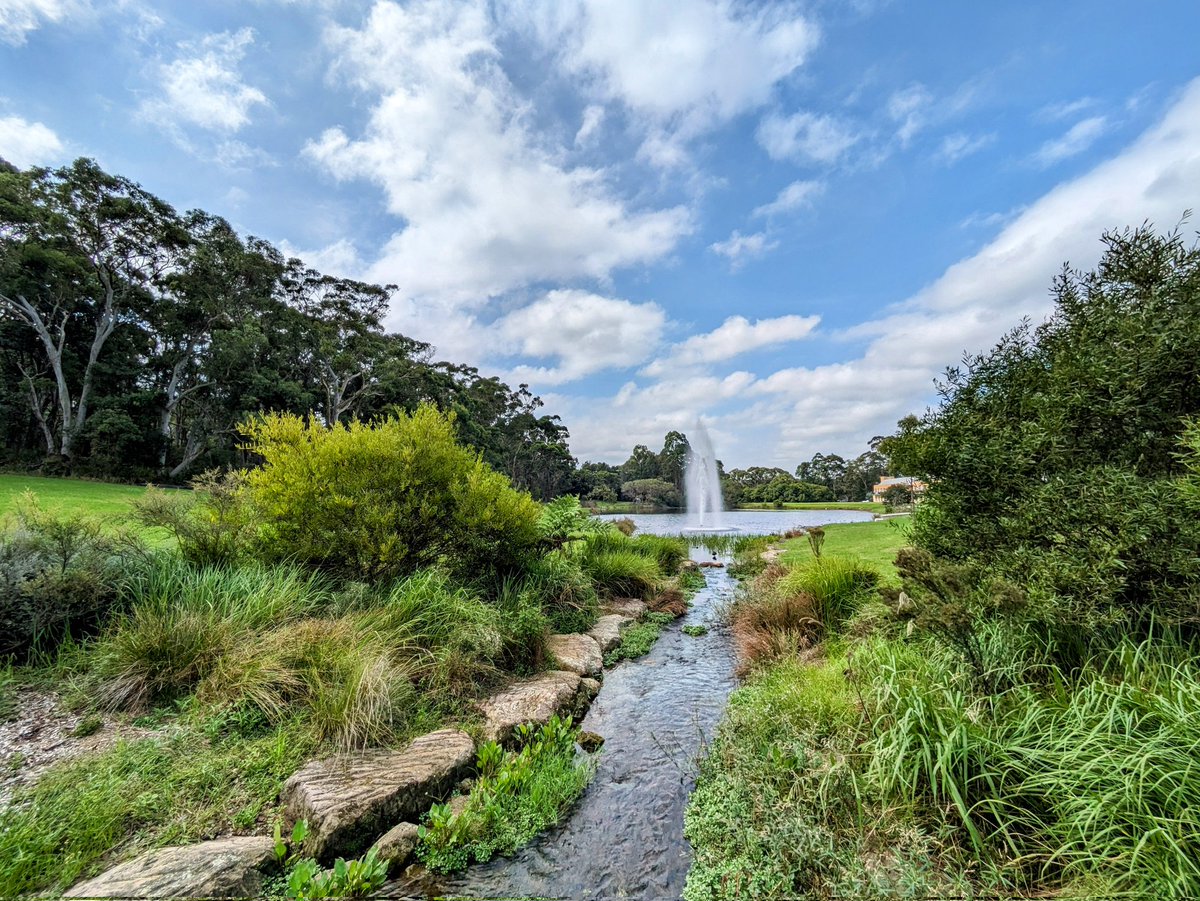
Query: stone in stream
[630,607]
[223,868]
[607,631]
[350,799]
[576,652]
[532,700]
[397,845]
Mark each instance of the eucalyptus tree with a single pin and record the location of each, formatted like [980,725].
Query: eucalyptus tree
[82,253]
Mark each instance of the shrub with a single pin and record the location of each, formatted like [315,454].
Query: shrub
[212,524]
[770,624]
[59,577]
[667,552]
[384,500]
[563,590]
[625,526]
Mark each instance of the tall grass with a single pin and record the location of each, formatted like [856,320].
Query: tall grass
[836,586]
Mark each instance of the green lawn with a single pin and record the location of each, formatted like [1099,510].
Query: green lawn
[874,543]
[867,506]
[99,499]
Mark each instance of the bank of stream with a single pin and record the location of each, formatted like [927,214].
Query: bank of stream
[625,836]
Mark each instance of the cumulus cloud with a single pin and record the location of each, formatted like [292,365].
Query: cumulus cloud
[340,259]
[740,249]
[486,201]
[26,144]
[202,87]
[735,336]
[805,136]
[797,195]
[690,63]
[583,332]
[788,415]
[18,18]
[1078,138]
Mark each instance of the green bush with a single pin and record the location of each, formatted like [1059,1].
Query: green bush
[623,573]
[213,523]
[371,502]
[667,552]
[60,576]
[563,590]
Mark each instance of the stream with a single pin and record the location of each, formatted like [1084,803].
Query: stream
[624,837]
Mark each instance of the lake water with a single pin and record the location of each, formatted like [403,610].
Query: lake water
[744,522]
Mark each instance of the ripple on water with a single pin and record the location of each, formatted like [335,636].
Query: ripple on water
[624,838]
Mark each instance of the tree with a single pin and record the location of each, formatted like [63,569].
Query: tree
[672,460]
[651,491]
[81,251]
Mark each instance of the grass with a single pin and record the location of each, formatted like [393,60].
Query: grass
[780,809]
[100,499]
[195,781]
[517,795]
[872,543]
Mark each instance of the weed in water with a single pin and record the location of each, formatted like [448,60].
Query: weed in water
[695,631]
[639,638]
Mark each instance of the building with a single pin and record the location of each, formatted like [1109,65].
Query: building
[885,482]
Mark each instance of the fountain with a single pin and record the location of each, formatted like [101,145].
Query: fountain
[702,484]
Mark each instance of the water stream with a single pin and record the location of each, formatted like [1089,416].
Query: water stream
[624,838]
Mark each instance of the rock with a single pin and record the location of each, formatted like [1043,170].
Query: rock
[348,800]
[588,689]
[712,564]
[576,652]
[224,868]
[591,742]
[688,566]
[630,607]
[532,700]
[397,845]
[607,631]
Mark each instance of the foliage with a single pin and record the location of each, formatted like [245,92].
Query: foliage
[1054,458]
[60,576]
[638,639]
[563,591]
[651,491]
[380,501]
[621,572]
[836,586]
[212,524]
[563,520]
[307,881]
[780,810]
[695,631]
[517,794]
[193,781]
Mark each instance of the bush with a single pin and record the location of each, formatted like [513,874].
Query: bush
[623,573]
[59,577]
[836,586]
[212,524]
[563,591]
[667,552]
[371,502]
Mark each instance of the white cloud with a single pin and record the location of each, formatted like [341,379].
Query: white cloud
[740,249]
[910,109]
[203,87]
[487,204]
[787,416]
[340,259]
[797,195]
[690,63]
[804,136]
[593,118]
[735,336]
[26,144]
[583,332]
[20,17]
[1078,138]
[959,146]
[1067,109]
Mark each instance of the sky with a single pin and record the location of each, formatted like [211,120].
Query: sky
[783,219]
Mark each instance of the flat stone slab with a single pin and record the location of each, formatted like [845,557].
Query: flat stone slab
[351,799]
[532,700]
[576,652]
[630,607]
[397,845]
[223,868]
[607,631]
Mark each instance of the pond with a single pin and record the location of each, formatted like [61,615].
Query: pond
[745,522]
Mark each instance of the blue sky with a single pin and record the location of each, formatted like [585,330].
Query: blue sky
[783,218]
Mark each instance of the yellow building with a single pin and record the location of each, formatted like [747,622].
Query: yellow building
[916,486]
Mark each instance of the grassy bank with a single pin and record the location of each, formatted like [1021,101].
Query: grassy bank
[872,543]
[99,499]
[863,506]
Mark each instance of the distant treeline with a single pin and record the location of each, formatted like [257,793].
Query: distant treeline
[134,339]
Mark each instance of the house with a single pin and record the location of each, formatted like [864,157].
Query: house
[885,482]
